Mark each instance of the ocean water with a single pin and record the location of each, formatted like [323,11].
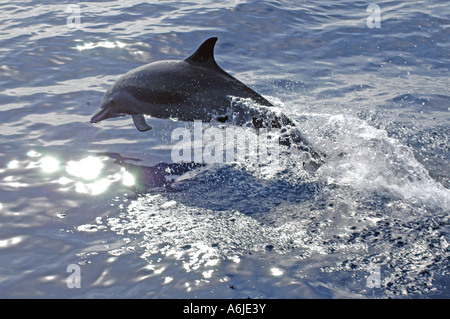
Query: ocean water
[368,86]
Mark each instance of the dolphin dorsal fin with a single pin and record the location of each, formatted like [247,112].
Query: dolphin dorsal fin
[204,55]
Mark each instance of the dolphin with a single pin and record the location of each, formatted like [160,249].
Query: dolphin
[192,89]
[162,175]
[196,88]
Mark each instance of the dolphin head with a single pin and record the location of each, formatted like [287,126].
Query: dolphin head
[113,105]
[117,103]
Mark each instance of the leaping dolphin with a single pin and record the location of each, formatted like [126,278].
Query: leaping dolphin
[192,89]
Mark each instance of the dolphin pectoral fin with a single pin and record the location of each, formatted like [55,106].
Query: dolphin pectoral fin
[140,123]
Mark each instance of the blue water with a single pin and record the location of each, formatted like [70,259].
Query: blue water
[371,222]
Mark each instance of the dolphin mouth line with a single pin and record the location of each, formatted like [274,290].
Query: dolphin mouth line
[101,115]
[104,114]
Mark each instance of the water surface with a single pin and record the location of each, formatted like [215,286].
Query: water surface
[375,100]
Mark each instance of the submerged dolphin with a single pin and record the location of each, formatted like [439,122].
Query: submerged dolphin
[192,89]
[161,175]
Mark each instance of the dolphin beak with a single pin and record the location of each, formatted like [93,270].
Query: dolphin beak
[103,114]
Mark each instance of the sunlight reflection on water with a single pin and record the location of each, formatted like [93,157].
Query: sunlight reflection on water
[49,164]
[84,176]
[88,168]
[102,44]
